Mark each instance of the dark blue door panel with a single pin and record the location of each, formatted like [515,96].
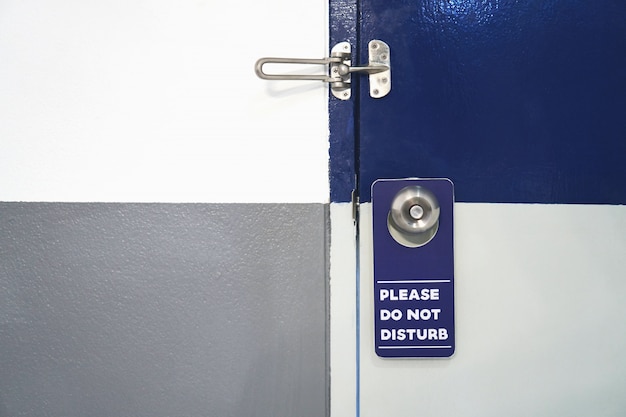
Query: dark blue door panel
[515,101]
[342,168]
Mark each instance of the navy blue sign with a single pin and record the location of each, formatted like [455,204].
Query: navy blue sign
[413,267]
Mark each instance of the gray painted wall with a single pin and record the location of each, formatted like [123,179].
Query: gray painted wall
[163,310]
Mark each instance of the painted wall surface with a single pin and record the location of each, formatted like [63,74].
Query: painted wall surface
[158,101]
[163,310]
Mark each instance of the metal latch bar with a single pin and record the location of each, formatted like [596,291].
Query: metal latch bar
[325,61]
[340,69]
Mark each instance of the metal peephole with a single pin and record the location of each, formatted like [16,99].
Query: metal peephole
[413,219]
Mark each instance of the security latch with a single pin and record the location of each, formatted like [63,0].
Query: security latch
[340,69]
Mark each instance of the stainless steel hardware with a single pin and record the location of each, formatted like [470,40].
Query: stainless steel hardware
[413,218]
[340,69]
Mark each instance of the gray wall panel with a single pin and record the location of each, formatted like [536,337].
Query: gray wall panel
[163,309]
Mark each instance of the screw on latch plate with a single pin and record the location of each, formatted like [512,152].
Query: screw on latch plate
[340,69]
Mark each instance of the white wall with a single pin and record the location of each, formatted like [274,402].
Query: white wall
[133,100]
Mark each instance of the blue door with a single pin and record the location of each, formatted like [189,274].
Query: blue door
[518,102]
[515,101]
